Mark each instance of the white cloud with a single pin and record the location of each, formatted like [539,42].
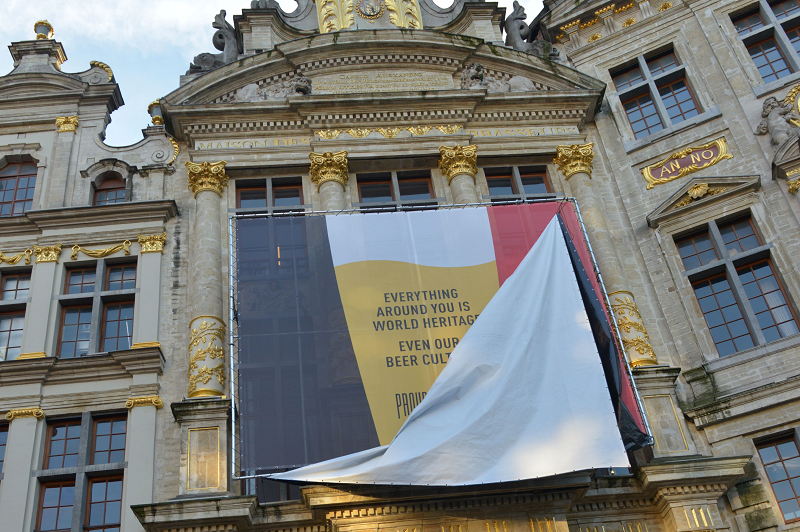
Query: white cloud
[147,43]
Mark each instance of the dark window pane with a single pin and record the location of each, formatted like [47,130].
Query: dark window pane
[785,9]
[500,186]
[678,100]
[375,192]
[642,116]
[769,60]
[723,316]
[661,64]
[255,198]
[415,190]
[628,78]
[287,196]
[774,316]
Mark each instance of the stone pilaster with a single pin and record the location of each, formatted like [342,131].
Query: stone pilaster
[147,310]
[645,9]
[140,476]
[62,155]
[571,30]
[22,456]
[205,446]
[607,16]
[459,165]
[207,340]
[329,171]
[575,162]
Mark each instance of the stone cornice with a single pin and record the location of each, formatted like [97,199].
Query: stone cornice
[37,221]
[703,474]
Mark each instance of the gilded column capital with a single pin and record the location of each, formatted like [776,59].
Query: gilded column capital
[153,243]
[206,344]
[66,124]
[794,186]
[15,413]
[635,340]
[328,167]
[207,176]
[574,159]
[458,160]
[47,253]
[149,400]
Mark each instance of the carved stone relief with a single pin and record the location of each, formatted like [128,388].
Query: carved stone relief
[297,86]
[518,32]
[475,77]
[779,121]
[225,40]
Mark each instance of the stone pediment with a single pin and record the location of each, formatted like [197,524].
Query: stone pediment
[787,159]
[700,192]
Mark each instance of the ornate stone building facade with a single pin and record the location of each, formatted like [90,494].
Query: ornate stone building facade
[674,126]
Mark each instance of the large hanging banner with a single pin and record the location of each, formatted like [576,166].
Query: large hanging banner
[346,321]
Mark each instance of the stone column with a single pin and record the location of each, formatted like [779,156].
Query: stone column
[147,310]
[207,327]
[62,154]
[329,172]
[139,477]
[571,30]
[575,162]
[22,454]
[459,166]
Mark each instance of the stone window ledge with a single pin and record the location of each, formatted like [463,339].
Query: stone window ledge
[778,84]
[754,353]
[710,114]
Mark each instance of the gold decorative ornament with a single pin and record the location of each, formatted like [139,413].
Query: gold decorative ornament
[328,167]
[418,131]
[685,162]
[16,413]
[594,37]
[607,8]
[389,132]
[698,191]
[329,134]
[66,124]
[574,159]
[358,133]
[629,22]
[152,104]
[158,120]
[458,160]
[43,30]
[27,356]
[100,253]
[206,342]
[449,130]
[404,14]
[334,15]
[175,148]
[791,96]
[104,67]
[145,345]
[153,243]
[794,186]
[664,6]
[570,25]
[47,253]
[207,177]
[149,400]
[16,258]
[369,9]
[592,22]
[635,340]
[623,8]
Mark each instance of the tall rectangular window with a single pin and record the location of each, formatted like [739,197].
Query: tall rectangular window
[76,326]
[117,326]
[512,182]
[108,445]
[781,461]
[737,289]
[11,334]
[104,507]
[655,93]
[770,33]
[3,442]
[63,442]
[17,183]
[55,507]
[395,189]
[16,286]
[270,193]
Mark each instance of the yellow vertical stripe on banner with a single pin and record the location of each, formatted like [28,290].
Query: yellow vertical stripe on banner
[404,321]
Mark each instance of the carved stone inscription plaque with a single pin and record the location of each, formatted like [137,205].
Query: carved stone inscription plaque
[204,459]
[381,81]
[667,429]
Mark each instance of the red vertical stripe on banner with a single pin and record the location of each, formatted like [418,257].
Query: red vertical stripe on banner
[515,229]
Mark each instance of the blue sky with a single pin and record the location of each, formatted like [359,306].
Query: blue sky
[147,43]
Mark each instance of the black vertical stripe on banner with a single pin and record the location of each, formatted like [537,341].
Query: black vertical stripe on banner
[632,437]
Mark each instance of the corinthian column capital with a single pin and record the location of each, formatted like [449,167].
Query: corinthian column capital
[207,176]
[575,159]
[328,167]
[458,160]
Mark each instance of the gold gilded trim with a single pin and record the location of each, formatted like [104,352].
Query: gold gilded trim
[389,132]
[211,331]
[574,159]
[698,191]
[16,258]
[15,413]
[570,25]
[48,35]
[158,120]
[329,134]
[594,37]
[106,68]
[207,177]
[663,7]
[629,22]
[27,356]
[635,340]
[329,167]
[66,124]
[143,345]
[623,8]
[696,154]
[449,130]
[794,186]
[607,8]
[404,14]
[358,133]
[148,400]
[47,253]
[175,147]
[334,15]
[153,243]
[100,253]
[458,160]
[418,131]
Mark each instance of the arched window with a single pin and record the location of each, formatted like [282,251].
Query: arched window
[110,191]
[17,181]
